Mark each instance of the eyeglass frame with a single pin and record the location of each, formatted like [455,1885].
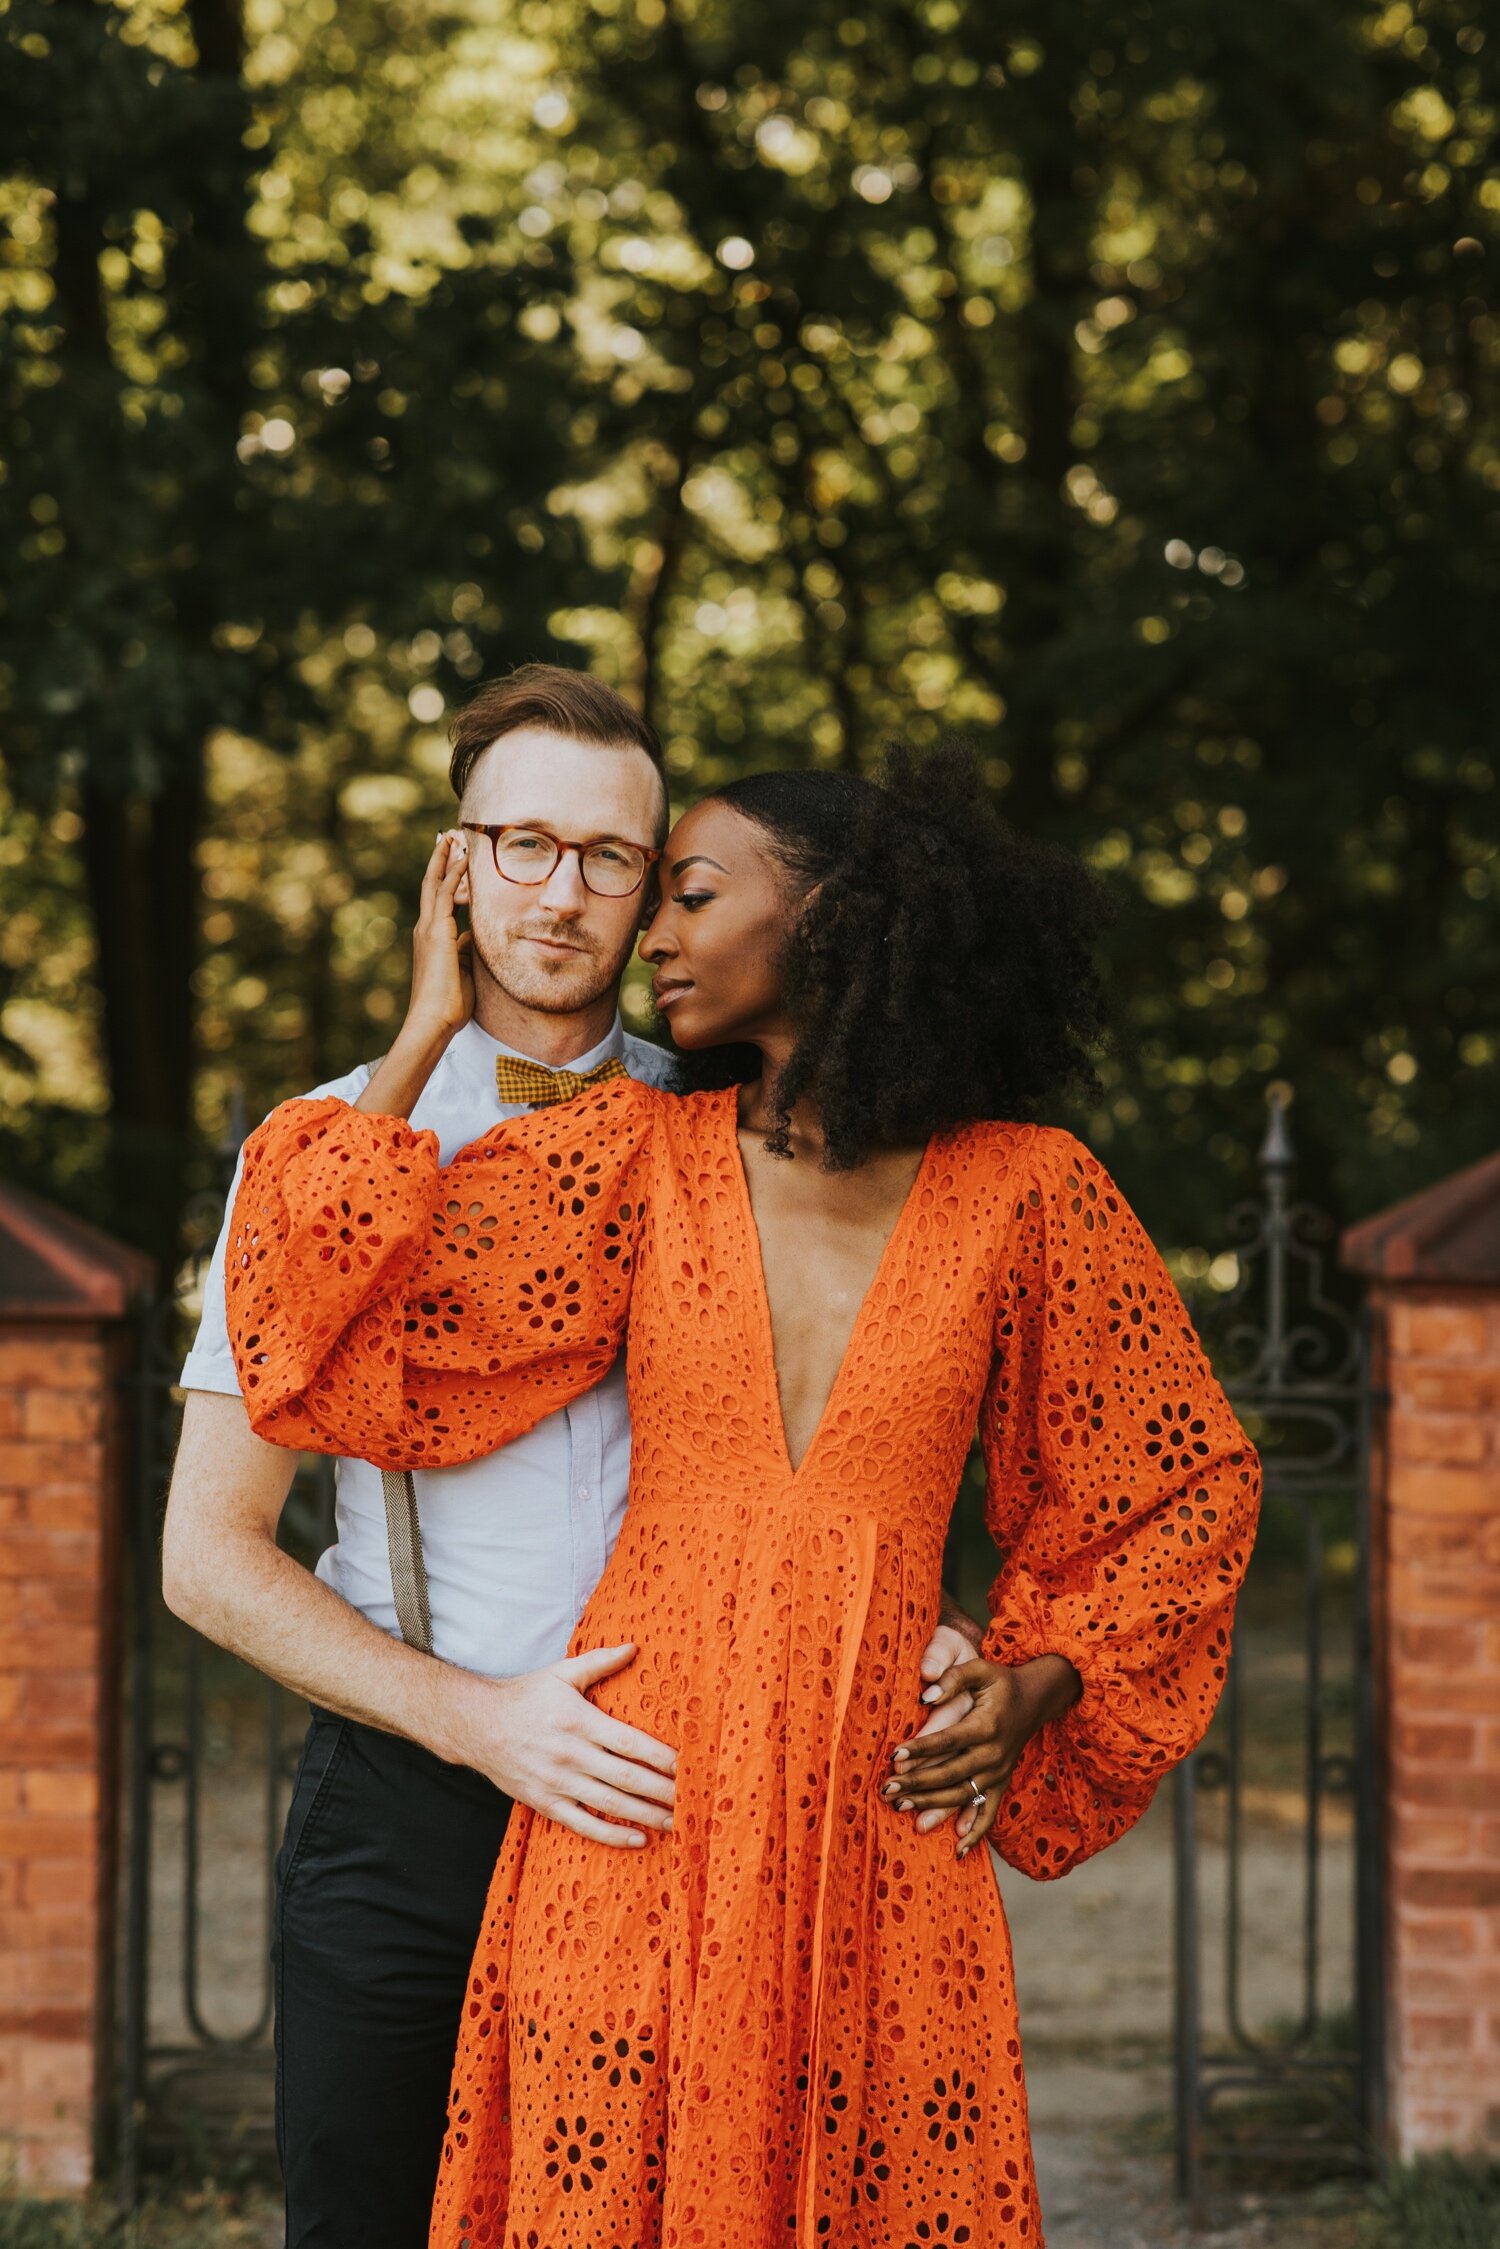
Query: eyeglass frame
[495,830]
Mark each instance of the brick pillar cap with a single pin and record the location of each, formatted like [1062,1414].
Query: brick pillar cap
[1448,1233]
[55,1267]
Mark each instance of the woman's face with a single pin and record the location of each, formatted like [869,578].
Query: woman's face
[727,906]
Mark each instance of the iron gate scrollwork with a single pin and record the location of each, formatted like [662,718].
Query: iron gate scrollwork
[1276,1815]
[210,1753]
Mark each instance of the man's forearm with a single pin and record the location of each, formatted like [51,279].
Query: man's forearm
[537,1738]
[282,1620]
[398,1080]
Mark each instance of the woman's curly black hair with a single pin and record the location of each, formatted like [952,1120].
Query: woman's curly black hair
[941,969]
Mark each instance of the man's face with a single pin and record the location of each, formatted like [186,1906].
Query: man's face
[555,946]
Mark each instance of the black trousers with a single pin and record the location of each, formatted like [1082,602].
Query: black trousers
[380,1890]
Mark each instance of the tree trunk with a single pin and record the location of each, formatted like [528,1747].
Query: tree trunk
[1040,589]
[139,848]
[140,865]
[656,589]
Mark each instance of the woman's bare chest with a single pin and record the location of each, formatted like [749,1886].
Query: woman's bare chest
[822,1239]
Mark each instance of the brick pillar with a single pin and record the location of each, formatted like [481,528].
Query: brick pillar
[65,1297]
[1434,1266]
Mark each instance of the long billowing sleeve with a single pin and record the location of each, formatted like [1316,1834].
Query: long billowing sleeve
[1122,1494]
[390,1310]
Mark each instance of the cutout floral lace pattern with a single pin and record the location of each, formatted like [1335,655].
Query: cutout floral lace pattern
[792,2020]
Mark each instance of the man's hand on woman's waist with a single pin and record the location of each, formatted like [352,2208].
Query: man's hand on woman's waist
[542,1743]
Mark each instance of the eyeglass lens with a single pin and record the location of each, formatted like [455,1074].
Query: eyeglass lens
[610,870]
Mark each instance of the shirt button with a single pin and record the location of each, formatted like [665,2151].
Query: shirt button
[583,1491]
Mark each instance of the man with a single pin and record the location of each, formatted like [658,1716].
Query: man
[413,1757]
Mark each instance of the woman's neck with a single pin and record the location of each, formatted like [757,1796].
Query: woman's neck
[805,1126]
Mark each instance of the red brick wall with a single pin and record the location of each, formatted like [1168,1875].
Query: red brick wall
[60,1513]
[1440,1641]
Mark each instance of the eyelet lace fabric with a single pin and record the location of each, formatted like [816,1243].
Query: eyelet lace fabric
[793,2019]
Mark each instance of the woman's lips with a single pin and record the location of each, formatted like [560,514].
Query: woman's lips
[664,993]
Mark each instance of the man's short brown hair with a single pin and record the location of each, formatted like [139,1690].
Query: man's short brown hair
[549,695]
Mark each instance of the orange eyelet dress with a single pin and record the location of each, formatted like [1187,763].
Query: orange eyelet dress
[792,2020]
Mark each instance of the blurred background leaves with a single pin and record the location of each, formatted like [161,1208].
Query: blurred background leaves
[1112,383]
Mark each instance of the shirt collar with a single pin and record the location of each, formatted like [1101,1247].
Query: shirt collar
[473,1048]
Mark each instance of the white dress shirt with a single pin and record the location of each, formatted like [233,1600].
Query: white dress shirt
[514,1544]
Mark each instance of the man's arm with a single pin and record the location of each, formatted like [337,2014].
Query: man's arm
[537,1738]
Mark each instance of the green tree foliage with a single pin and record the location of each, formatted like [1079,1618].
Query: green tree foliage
[225,433]
[1114,383]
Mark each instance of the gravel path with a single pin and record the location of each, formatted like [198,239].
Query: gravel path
[1094,1971]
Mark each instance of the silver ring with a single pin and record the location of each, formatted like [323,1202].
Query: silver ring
[977,1793]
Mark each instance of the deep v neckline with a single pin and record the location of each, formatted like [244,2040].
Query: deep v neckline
[761,1294]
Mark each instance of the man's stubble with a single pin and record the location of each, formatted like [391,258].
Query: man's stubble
[550,984]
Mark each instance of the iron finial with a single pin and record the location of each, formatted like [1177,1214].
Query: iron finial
[1276,1150]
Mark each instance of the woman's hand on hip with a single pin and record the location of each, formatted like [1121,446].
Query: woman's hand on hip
[1002,1705]
[955,1640]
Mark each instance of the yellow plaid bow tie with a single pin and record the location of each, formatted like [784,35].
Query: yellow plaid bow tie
[531,1084]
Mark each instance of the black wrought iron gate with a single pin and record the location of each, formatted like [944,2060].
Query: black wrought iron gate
[1278,2045]
[210,1752]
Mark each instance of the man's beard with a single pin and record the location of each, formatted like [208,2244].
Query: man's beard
[552,983]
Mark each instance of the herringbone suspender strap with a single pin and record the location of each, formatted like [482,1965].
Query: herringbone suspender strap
[408,1570]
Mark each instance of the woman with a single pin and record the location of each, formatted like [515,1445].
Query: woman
[791,2019]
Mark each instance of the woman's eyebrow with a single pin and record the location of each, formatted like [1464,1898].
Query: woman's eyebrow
[696,859]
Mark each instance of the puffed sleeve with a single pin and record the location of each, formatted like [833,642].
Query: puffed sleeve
[1122,1494]
[391,1310]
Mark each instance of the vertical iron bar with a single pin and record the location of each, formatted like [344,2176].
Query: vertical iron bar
[1369,1799]
[1187,1993]
[141,1550]
[270,1847]
[1233,1779]
[192,1812]
[1276,1161]
[1311,1903]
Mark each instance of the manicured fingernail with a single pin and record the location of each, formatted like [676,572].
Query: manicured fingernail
[906,1805]
[933,1694]
[891,1788]
[900,1756]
